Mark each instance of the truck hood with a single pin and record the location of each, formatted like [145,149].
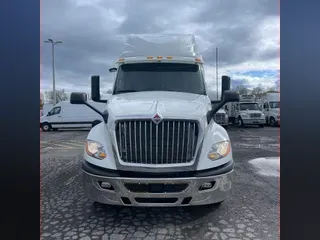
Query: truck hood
[168,104]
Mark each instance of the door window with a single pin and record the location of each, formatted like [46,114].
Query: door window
[55,111]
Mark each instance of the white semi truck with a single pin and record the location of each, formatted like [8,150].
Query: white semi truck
[270,105]
[158,144]
[246,111]
[221,117]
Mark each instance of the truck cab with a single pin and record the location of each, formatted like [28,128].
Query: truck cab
[247,112]
[158,144]
[270,105]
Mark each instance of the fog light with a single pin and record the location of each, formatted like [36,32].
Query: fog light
[206,186]
[106,185]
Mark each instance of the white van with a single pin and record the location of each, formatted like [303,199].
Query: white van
[45,109]
[67,115]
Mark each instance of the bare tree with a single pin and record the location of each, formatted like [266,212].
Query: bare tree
[272,89]
[61,96]
[241,89]
[258,91]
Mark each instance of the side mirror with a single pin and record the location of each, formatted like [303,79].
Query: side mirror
[81,98]
[95,89]
[78,98]
[113,70]
[225,84]
[230,96]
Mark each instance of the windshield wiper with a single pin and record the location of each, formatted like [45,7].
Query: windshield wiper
[125,91]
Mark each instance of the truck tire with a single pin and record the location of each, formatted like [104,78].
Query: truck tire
[96,122]
[46,127]
[272,121]
[240,122]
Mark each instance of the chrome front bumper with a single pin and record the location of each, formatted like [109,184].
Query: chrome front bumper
[253,121]
[190,195]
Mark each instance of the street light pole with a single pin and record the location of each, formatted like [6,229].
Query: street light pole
[217,76]
[53,43]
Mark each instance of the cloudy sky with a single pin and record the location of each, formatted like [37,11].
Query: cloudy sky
[247,33]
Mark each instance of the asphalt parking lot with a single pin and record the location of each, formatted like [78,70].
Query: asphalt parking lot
[251,213]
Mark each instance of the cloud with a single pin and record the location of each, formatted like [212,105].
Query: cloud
[246,33]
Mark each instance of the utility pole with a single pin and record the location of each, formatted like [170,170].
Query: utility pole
[53,43]
[217,76]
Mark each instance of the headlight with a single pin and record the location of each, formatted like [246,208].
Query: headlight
[95,149]
[219,150]
[243,115]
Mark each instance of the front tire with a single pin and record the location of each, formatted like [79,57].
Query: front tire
[272,121]
[240,122]
[46,127]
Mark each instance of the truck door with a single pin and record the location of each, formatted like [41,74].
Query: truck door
[266,110]
[54,117]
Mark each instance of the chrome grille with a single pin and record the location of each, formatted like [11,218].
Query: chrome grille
[169,142]
[255,115]
[219,117]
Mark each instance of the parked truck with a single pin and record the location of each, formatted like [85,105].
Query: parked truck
[246,111]
[270,105]
[221,117]
[158,144]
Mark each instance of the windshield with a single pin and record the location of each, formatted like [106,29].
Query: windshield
[176,77]
[249,106]
[274,104]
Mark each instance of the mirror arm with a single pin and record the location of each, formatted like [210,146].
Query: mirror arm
[104,114]
[100,100]
[93,108]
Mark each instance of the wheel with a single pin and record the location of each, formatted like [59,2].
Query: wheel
[261,125]
[55,129]
[272,121]
[240,122]
[96,122]
[45,127]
